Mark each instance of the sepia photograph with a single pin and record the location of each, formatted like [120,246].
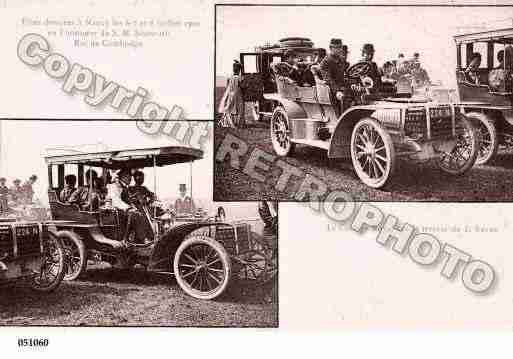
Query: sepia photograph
[102,224]
[322,99]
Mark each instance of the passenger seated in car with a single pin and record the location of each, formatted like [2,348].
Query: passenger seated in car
[87,197]
[306,76]
[288,68]
[131,219]
[70,182]
[471,72]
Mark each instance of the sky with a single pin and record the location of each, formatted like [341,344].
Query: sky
[395,29]
[25,143]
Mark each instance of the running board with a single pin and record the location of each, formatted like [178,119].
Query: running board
[325,145]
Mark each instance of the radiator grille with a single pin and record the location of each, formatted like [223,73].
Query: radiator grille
[6,243]
[235,239]
[28,240]
[441,122]
[415,123]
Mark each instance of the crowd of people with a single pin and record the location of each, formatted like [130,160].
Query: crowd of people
[17,194]
[331,69]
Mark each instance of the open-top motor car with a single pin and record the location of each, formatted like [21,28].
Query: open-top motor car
[375,129]
[203,253]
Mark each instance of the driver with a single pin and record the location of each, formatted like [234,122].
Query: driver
[140,190]
[374,73]
[333,68]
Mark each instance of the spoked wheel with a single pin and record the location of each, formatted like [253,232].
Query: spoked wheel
[280,133]
[202,267]
[52,266]
[372,153]
[463,154]
[76,258]
[251,268]
[488,138]
[258,265]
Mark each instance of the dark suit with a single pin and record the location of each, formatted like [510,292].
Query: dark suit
[333,69]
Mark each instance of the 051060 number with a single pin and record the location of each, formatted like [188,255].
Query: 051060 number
[33,342]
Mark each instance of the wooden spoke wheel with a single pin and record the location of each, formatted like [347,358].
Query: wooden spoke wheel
[463,155]
[202,267]
[489,140]
[372,153]
[75,252]
[52,266]
[280,133]
[258,265]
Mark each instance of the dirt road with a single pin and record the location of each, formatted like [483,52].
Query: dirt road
[412,182]
[111,297]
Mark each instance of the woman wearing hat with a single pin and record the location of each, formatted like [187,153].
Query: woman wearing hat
[232,102]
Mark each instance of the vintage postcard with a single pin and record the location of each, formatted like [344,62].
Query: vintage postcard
[249,179]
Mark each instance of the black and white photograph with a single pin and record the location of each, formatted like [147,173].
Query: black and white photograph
[104,225]
[322,99]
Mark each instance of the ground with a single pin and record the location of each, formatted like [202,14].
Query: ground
[412,182]
[105,296]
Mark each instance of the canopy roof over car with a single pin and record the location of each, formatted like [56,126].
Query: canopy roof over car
[132,158]
[503,35]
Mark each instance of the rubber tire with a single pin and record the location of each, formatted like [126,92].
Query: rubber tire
[389,148]
[492,130]
[225,258]
[473,158]
[60,275]
[76,241]
[292,146]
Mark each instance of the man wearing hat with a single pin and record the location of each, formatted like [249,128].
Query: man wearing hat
[28,190]
[184,204]
[374,73]
[16,191]
[333,68]
[4,192]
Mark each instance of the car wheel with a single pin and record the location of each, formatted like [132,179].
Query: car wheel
[52,265]
[202,267]
[280,133]
[489,140]
[372,153]
[76,256]
[463,155]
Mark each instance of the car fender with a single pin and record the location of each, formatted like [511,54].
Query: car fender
[293,109]
[340,142]
[169,242]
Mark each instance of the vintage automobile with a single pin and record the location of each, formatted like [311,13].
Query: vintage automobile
[258,77]
[378,127]
[203,254]
[488,101]
[30,253]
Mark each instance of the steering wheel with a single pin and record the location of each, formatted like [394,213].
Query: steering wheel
[358,70]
